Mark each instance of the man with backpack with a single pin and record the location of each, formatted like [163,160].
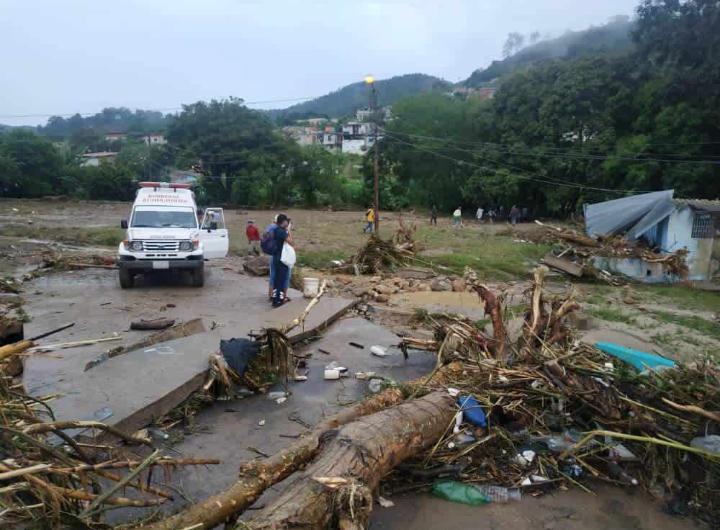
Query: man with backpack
[267,244]
[282,271]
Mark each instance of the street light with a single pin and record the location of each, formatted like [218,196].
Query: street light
[370,81]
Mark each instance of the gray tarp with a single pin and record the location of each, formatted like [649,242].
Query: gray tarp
[634,215]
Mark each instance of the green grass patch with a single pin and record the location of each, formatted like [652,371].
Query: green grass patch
[491,256]
[696,323]
[105,236]
[612,315]
[680,296]
[318,259]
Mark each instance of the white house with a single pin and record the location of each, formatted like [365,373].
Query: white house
[331,140]
[664,223]
[95,159]
[154,139]
[355,146]
[115,137]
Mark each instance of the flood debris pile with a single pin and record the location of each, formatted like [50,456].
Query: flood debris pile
[574,253]
[55,474]
[556,412]
[380,255]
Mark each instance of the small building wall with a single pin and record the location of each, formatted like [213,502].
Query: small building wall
[679,235]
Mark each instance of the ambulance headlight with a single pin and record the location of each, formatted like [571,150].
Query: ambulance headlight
[186,246]
[136,246]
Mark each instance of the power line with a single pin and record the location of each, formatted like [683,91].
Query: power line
[547,180]
[168,109]
[507,149]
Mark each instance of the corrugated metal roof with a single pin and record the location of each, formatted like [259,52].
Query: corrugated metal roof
[705,205]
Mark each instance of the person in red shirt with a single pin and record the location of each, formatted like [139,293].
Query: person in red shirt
[253,237]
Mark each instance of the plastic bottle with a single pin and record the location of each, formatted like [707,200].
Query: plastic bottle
[498,493]
[475,495]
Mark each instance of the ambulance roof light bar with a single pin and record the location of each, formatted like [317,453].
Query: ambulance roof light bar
[167,185]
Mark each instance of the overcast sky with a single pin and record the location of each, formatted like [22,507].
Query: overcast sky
[66,56]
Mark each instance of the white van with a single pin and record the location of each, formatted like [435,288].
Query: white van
[163,234]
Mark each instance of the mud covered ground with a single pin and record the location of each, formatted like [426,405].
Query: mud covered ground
[676,321]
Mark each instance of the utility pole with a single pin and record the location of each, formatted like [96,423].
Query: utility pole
[376,163]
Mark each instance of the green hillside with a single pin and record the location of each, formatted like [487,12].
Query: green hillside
[346,100]
[613,37]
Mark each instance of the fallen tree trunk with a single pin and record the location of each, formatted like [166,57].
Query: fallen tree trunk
[335,490]
[258,475]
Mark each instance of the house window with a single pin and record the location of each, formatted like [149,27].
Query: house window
[703,226]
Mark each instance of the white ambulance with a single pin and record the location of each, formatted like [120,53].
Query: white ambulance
[163,234]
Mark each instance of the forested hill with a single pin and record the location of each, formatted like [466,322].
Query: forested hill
[112,119]
[611,38]
[346,100]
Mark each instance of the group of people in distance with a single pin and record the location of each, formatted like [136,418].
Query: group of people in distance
[514,216]
[274,238]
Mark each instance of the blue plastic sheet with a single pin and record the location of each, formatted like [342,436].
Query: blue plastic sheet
[639,359]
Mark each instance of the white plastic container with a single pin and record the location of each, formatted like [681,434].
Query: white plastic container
[332,373]
[311,287]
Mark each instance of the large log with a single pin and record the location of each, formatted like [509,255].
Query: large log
[334,491]
[258,475]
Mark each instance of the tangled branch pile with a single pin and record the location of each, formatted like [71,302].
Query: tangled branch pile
[559,411]
[49,477]
[378,255]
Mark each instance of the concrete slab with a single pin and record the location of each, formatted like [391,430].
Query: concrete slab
[226,430]
[140,385]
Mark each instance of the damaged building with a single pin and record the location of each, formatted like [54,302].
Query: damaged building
[663,223]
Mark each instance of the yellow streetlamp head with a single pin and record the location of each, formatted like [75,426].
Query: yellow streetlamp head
[369,79]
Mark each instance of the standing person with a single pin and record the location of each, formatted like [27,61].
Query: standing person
[281,270]
[289,273]
[269,235]
[370,220]
[457,218]
[253,237]
[514,214]
[433,215]
[491,215]
[479,214]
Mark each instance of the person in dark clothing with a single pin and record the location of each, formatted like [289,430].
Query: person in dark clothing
[281,270]
[433,215]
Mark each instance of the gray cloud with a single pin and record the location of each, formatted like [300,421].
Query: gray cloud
[79,56]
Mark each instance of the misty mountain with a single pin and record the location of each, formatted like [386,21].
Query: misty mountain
[344,101]
[611,38]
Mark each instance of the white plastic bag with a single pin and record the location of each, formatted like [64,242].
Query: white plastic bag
[288,255]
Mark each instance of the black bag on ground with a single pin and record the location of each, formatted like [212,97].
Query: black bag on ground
[239,353]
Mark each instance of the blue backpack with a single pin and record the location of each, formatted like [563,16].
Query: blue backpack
[267,242]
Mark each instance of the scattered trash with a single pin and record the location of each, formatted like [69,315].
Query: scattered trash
[378,351]
[276,394]
[539,479]
[525,458]
[473,412]
[281,400]
[364,375]
[261,422]
[356,345]
[324,351]
[463,438]
[385,503]
[454,392]
[332,373]
[474,494]
[709,443]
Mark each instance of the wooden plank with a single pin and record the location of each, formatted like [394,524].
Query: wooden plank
[563,265]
